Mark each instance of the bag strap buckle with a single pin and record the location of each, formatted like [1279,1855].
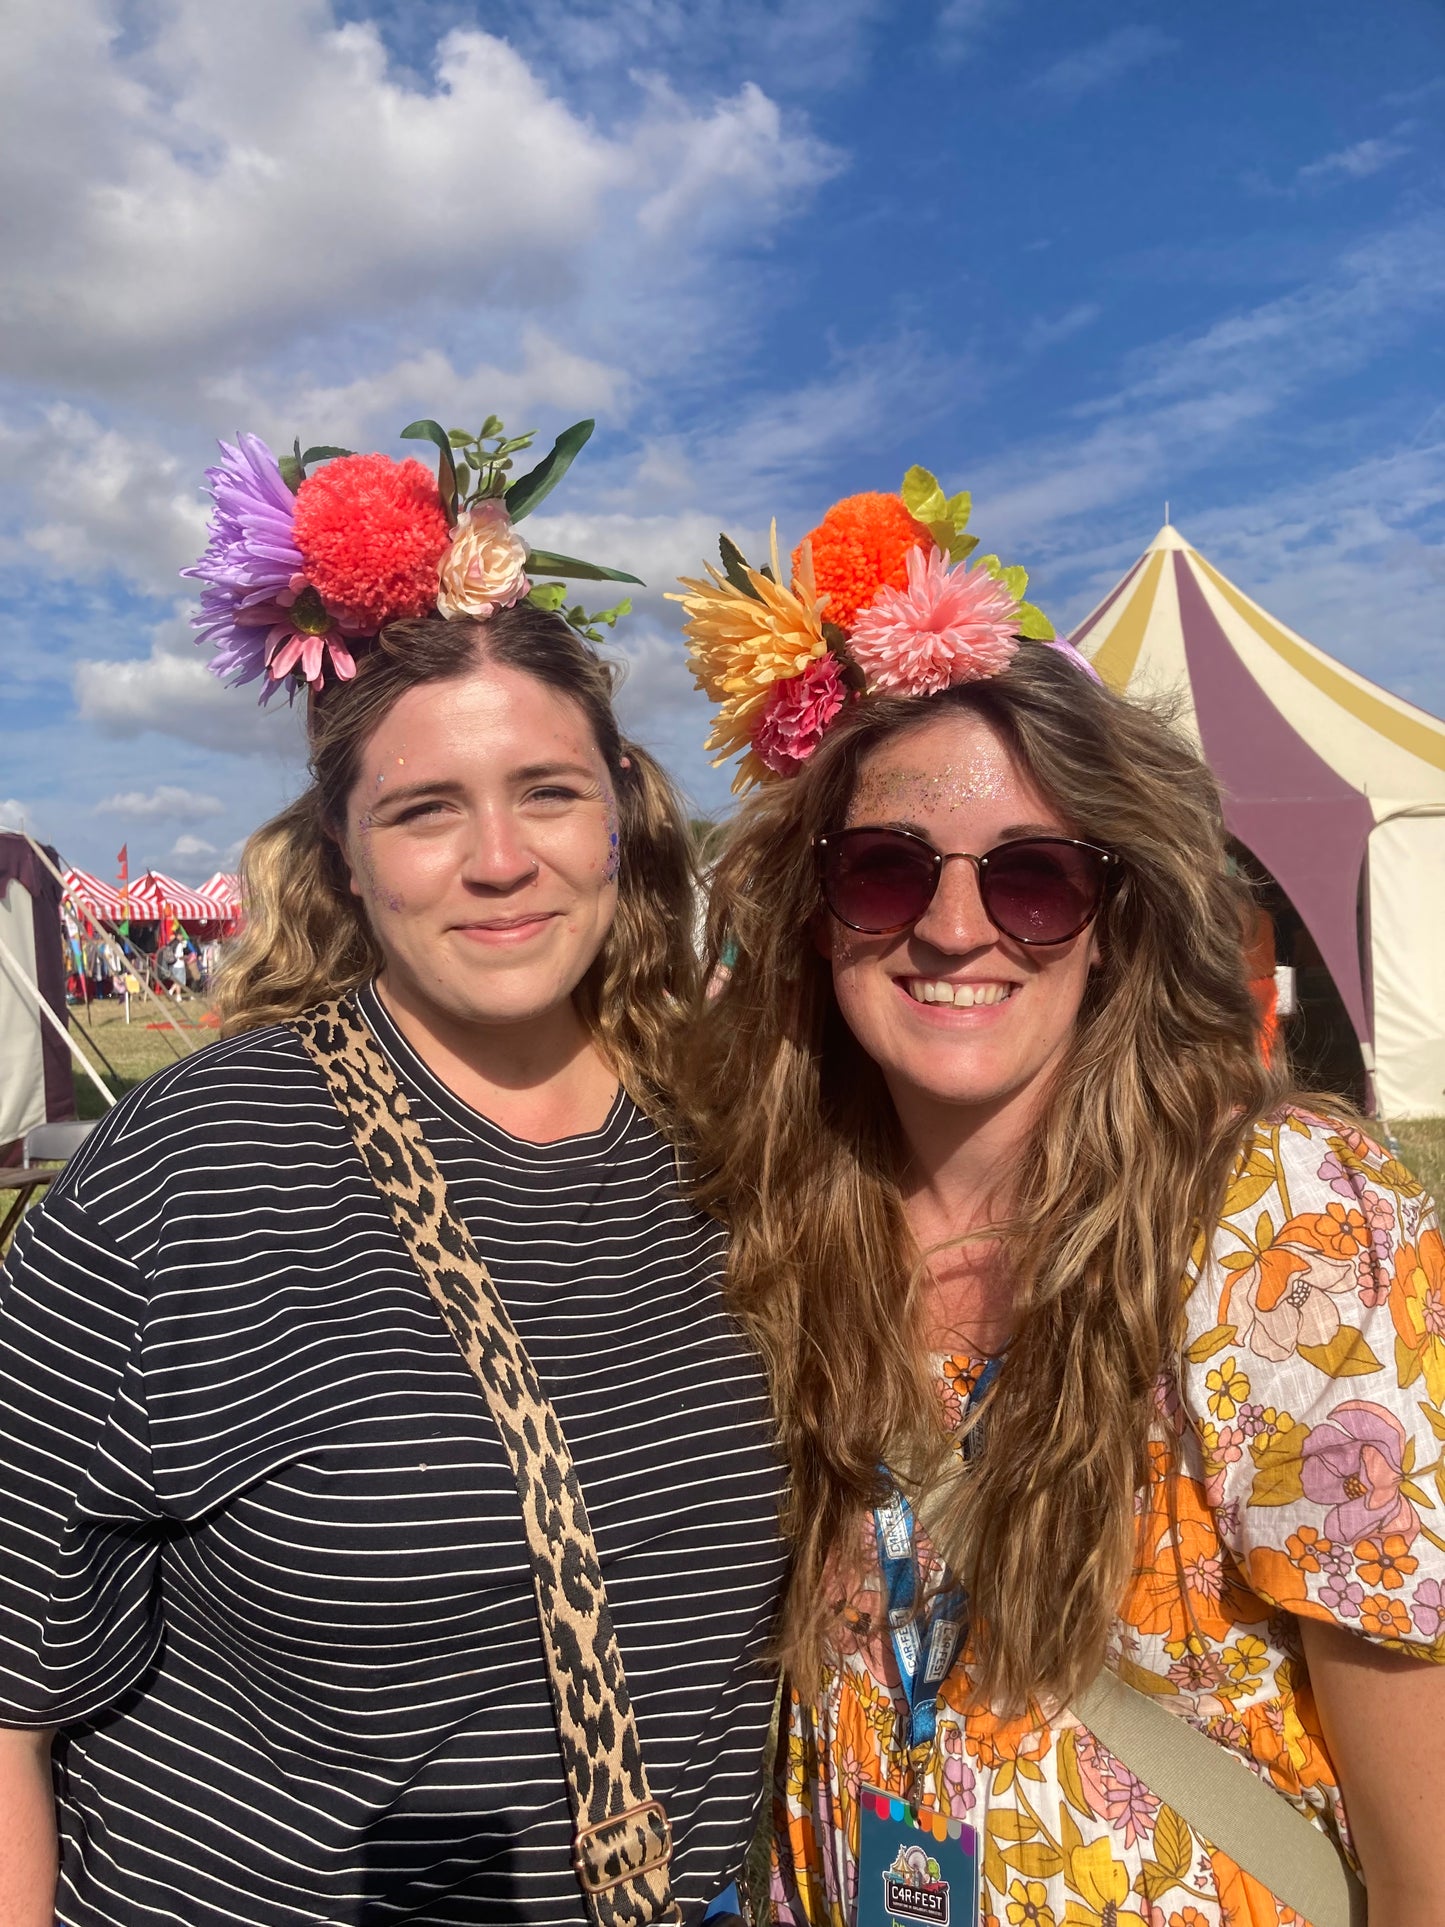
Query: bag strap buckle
[622,1847]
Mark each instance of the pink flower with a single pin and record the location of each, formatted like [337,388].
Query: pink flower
[1354,1463]
[1289,1296]
[948,626]
[796,714]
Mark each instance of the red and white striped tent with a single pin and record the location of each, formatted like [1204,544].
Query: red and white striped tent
[155,898]
[94,899]
[226,890]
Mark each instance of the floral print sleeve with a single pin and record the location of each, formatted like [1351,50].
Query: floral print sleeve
[1315,1378]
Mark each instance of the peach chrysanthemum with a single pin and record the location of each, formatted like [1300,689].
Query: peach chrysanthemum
[950,625]
[861,545]
[740,645]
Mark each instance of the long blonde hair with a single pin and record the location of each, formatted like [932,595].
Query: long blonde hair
[799,1151]
[306,937]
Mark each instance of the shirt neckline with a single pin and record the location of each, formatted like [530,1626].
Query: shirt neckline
[415,1072]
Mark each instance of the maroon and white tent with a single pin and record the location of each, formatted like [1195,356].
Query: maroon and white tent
[35,1076]
[1333,787]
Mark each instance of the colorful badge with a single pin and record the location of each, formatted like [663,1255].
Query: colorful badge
[914,1866]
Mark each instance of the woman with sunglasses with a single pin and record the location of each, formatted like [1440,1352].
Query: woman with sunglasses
[1109,1370]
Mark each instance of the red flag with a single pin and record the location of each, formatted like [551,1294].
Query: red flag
[123,859]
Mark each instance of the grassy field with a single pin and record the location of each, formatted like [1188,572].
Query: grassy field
[136,1051]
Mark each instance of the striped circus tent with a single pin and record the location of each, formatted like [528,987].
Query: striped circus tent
[1336,790]
[155,895]
[225,889]
[95,899]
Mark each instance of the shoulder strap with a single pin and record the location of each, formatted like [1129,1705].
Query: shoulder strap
[623,1844]
[1222,1800]
[1217,1794]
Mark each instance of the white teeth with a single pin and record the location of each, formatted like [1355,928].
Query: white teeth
[929,990]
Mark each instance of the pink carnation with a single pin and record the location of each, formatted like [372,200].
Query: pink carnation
[797,713]
[948,626]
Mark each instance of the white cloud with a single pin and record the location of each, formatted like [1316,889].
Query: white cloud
[172,692]
[961,24]
[167,800]
[551,379]
[1354,163]
[14,815]
[1043,334]
[247,174]
[1106,61]
[186,847]
[801,45]
[143,513]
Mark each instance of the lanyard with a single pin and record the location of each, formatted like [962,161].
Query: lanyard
[924,1645]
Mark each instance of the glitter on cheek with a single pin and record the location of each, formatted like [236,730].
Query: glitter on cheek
[614,845]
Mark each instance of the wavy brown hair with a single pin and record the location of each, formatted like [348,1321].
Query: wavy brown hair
[800,1152]
[306,937]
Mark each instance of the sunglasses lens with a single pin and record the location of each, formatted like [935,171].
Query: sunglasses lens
[877,880]
[1042,892]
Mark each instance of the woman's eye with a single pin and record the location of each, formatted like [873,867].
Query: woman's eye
[554,793]
[419,811]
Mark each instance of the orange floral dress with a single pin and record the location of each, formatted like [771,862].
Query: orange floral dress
[1310,1415]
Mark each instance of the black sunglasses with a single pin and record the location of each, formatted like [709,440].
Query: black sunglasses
[1037,889]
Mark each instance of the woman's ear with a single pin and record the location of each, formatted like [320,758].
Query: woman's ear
[343,858]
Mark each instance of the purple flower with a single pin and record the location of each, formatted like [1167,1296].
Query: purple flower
[1337,1177]
[1131,1807]
[252,575]
[1354,1463]
[1343,1596]
[1428,1607]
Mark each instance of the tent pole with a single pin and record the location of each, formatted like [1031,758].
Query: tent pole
[127,946]
[17,974]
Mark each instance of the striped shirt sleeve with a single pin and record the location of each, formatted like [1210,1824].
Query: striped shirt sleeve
[80,1529]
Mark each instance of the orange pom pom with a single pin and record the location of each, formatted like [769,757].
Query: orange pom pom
[861,546]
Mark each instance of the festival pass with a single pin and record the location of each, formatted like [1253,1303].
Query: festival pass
[915,1868]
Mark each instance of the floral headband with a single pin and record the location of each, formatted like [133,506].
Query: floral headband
[881,600]
[302,570]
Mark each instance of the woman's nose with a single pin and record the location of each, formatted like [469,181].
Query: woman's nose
[498,856]
[956,920]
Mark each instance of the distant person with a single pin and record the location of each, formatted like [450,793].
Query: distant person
[1109,1367]
[388,1510]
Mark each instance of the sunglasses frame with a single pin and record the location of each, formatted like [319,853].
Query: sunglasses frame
[1111,872]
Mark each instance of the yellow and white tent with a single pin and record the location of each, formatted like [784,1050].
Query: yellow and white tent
[1334,786]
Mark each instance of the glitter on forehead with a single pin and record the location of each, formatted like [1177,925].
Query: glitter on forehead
[985,778]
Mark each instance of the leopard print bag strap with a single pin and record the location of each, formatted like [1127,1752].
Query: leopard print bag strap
[623,1843]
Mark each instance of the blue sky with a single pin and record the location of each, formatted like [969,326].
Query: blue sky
[1081,259]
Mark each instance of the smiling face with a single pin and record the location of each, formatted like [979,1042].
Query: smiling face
[953,1012]
[481,836]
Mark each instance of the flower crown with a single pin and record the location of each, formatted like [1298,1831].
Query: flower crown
[881,600]
[303,569]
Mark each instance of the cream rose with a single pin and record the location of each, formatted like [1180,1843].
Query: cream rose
[485,567]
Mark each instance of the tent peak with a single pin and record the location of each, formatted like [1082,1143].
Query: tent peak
[1167,538]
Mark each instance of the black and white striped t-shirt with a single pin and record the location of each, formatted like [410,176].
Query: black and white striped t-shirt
[261,1557]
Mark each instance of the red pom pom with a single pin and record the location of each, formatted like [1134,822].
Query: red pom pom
[371,532]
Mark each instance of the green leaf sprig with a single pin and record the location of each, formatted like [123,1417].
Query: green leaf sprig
[946,517]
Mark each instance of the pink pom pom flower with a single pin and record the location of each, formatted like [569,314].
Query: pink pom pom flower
[796,714]
[950,625]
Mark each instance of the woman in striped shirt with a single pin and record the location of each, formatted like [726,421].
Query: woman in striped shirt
[269,1651]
